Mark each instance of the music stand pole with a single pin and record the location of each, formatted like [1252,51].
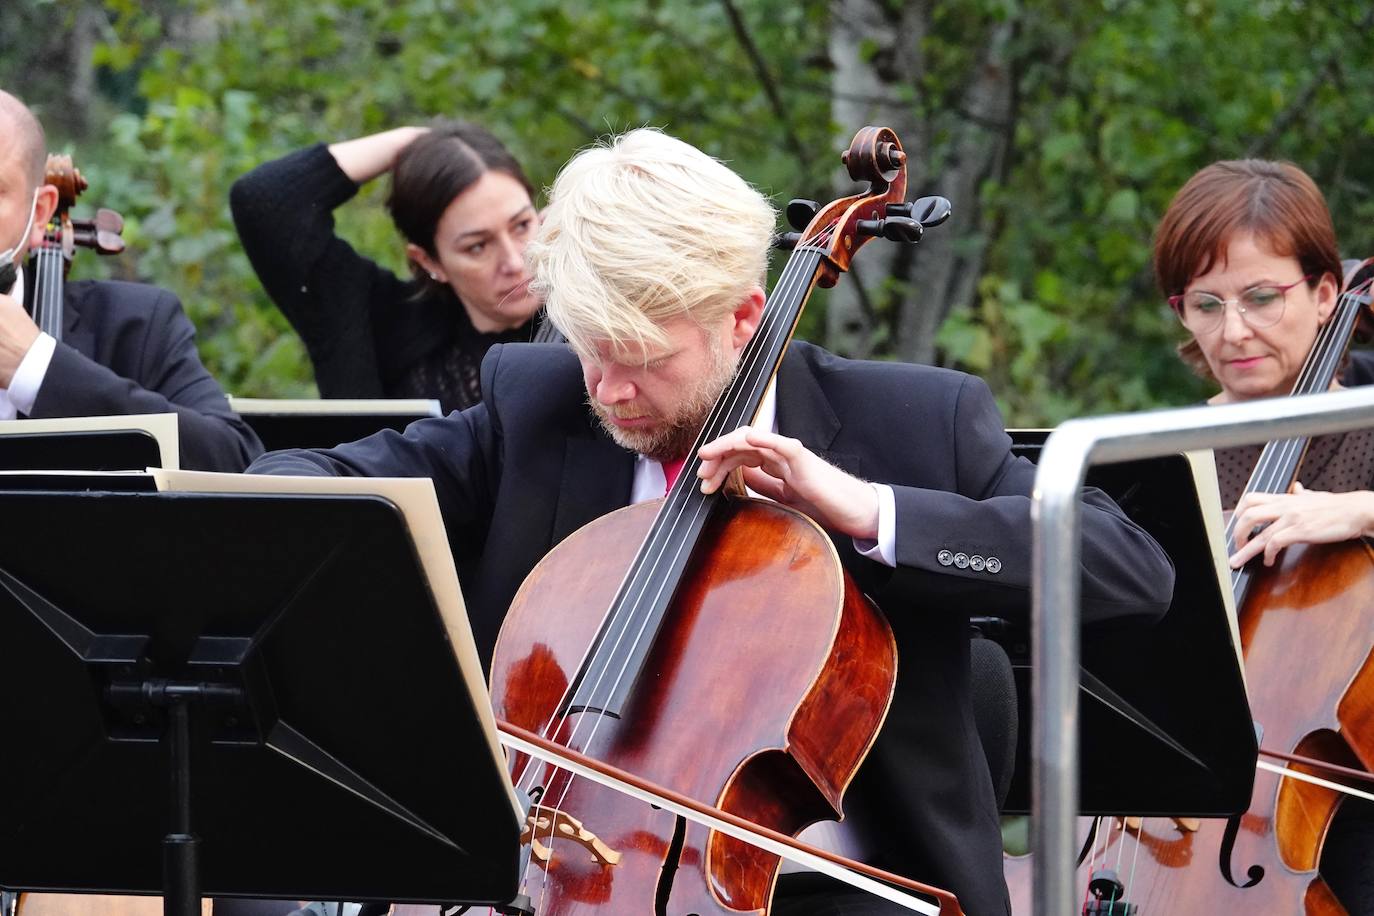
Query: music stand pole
[180,847]
[181,874]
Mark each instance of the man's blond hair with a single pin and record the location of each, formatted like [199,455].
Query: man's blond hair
[641,229]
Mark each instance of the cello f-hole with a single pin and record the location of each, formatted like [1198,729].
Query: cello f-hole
[1228,842]
[670,864]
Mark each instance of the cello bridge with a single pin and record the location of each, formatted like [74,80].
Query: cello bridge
[543,825]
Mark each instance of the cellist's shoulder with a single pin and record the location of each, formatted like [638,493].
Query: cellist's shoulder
[887,382]
[538,383]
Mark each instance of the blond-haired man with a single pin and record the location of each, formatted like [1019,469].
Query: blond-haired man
[651,258]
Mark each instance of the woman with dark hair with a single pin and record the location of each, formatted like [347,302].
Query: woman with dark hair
[1246,255]
[466,211]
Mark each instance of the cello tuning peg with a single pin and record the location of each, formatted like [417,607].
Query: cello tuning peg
[894,228]
[787,241]
[800,212]
[930,211]
[890,157]
[901,229]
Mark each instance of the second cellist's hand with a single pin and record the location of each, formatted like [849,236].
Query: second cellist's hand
[1300,517]
[786,471]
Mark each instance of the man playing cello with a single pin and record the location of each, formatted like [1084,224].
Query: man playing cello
[651,258]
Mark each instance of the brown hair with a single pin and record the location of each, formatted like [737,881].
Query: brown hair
[1275,201]
[435,168]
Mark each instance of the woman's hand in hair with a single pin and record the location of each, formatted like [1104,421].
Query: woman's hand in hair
[367,157]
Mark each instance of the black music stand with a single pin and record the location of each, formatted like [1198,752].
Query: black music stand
[80,450]
[1164,722]
[289,650]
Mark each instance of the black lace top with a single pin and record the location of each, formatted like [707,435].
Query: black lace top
[452,372]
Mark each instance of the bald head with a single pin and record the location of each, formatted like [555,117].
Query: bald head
[28,143]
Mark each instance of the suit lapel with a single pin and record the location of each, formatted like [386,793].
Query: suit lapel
[805,413]
[597,476]
[74,333]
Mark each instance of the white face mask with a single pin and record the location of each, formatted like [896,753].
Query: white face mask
[8,272]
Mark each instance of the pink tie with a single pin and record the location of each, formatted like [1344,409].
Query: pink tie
[670,471]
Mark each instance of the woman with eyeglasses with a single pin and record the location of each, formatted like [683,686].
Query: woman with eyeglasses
[1246,254]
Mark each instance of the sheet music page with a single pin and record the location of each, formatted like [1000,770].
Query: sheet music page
[161,426]
[416,407]
[1204,468]
[414,497]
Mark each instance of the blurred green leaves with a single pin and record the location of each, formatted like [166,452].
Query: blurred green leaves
[1117,102]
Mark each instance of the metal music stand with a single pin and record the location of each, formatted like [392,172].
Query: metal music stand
[287,654]
[1164,722]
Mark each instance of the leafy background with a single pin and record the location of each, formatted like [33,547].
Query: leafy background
[1059,129]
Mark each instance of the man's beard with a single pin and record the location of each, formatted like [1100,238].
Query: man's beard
[672,437]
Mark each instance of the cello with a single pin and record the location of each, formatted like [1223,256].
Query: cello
[665,683]
[61,237]
[1265,860]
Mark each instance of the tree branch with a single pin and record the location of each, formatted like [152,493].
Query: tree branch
[1330,70]
[770,88]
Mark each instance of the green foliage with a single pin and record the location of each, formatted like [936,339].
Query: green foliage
[1120,102]
[1117,102]
[221,88]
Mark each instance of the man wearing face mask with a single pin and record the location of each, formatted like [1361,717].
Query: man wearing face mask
[126,348]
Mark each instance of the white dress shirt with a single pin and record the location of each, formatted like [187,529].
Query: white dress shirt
[20,396]
[651,483]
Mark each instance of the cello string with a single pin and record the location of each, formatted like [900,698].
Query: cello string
[1120,848]
[1139,841]
[40,290]
[52,285]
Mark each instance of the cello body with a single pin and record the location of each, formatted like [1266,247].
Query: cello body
[757,697]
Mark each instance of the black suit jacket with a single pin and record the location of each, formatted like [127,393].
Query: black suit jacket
[128,348]
[528,466]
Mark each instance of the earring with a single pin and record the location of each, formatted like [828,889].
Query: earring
[433,276]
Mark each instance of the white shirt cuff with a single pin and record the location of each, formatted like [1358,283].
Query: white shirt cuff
[884,548]
[28,378]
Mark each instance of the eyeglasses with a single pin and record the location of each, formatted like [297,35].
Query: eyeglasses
[1258,306]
